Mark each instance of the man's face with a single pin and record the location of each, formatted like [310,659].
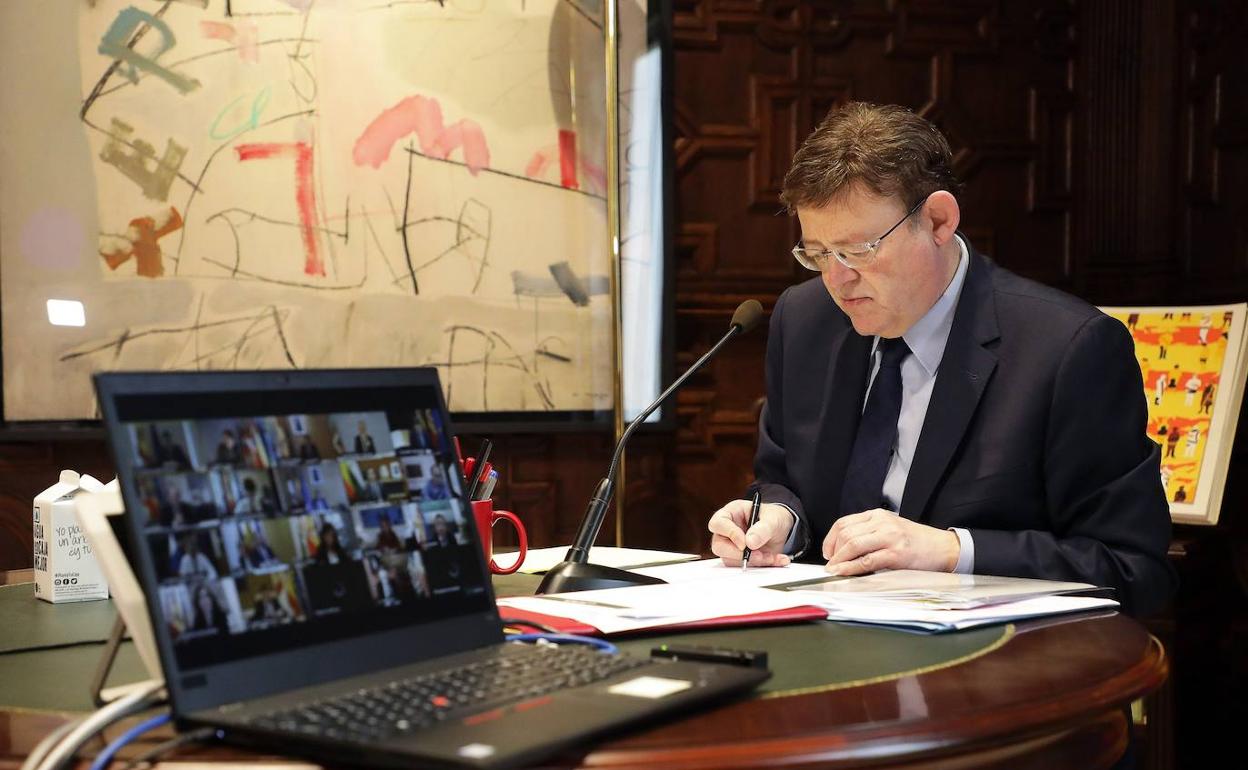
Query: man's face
[907,276]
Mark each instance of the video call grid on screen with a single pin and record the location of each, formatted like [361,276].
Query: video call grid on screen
[280,530]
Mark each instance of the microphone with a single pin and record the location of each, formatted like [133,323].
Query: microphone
[575,573]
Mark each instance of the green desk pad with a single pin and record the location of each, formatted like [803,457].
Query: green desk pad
[804,657]
[28,623]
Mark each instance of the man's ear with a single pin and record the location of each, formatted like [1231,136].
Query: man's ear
[942,216]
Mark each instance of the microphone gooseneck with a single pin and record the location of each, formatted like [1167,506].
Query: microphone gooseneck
[572,574]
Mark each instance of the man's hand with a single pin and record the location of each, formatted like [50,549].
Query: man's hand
[765,539]
[879,539]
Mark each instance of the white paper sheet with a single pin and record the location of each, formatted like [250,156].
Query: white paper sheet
[617,610]
[540,560]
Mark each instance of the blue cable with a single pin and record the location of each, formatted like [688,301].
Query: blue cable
[601,644]
[106,756]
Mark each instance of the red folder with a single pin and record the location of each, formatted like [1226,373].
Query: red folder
[570,626]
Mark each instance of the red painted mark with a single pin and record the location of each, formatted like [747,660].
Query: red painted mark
[244,35]
[144,237]
[534,703]
[422,115]
[305,197]
[485,716]
[567,160]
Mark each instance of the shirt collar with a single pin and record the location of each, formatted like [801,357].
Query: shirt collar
[927,337]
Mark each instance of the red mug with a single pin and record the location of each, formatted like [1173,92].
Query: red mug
[483,511]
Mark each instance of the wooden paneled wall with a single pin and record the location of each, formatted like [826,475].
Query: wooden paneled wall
[1104,145]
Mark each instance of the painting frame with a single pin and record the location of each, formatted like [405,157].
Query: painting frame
[1194,363]
[658,31]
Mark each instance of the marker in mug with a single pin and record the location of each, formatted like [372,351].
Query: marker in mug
[487,489]
[754,506]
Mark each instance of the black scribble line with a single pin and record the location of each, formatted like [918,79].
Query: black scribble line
[229,10]
[186,209]
[576,7]
[297,59]
[193,337]
[112,67]
[172,64]
[207,357]
[543,350]
[281,336]
[507,174]
[485,248]
[394,212]
[368,222]
[126,336]
[550,404]
[407,202]
[252,216]
[237,273]
[429,263]
[199,311]
[397,3]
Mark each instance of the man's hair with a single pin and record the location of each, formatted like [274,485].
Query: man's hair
[885,148]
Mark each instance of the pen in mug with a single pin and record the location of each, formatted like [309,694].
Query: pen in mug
[755,504]
[478,469]
[487,490]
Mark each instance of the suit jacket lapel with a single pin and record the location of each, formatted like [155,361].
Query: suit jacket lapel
[848,365]
[964,372]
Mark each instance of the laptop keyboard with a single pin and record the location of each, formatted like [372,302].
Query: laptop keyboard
[406,705]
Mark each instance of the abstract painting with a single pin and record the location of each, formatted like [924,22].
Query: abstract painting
[255,184]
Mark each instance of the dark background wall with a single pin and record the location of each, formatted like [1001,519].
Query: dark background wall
[1104,146]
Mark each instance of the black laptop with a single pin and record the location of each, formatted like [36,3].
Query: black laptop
[301,605]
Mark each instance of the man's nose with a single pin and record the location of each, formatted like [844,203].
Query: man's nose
[836,275]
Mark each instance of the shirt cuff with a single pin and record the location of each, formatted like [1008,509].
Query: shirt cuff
[966,551]
[798,540]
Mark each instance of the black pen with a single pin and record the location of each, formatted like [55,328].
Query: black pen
[754,506]
[478,468]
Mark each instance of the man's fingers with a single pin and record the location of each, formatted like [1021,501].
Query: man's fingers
[760,534]
[722,524]
[726,550]
[856,546]
[865,564]
[845,535]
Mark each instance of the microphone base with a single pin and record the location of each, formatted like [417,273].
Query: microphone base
[571,576]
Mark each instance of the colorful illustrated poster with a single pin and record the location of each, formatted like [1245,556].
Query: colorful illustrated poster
[1192,363]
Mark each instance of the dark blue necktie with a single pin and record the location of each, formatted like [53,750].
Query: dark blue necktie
[877,433]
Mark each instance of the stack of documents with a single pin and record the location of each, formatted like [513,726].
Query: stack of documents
[908,599]
[708,593]
[637,608]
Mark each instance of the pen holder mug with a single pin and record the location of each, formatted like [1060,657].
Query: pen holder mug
[483,511]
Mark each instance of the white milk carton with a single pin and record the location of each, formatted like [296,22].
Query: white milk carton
[65,567]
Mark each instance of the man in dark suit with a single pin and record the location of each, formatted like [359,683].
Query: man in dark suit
[927,409]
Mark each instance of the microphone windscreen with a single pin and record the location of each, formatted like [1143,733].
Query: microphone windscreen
[748,314]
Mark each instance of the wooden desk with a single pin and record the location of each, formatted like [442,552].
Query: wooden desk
[1049,694]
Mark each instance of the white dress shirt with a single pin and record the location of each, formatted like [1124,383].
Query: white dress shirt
[926,340]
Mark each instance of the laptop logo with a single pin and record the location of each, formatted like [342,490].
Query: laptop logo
[476,751]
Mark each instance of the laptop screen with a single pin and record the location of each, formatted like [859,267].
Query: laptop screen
[280,519]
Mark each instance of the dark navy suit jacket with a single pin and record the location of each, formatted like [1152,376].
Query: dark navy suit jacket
[1034,440]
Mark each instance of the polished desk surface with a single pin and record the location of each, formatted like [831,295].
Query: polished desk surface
[1047,693]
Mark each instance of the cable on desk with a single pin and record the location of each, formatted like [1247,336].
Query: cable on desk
[132,702]
[44,746]
[106,756]
[601,644]
[530,624]
[145,759]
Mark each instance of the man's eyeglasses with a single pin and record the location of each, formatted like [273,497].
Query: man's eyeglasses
[851,255]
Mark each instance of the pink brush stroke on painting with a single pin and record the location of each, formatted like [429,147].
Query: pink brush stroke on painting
[244,35]
[305,197]
[422,115]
